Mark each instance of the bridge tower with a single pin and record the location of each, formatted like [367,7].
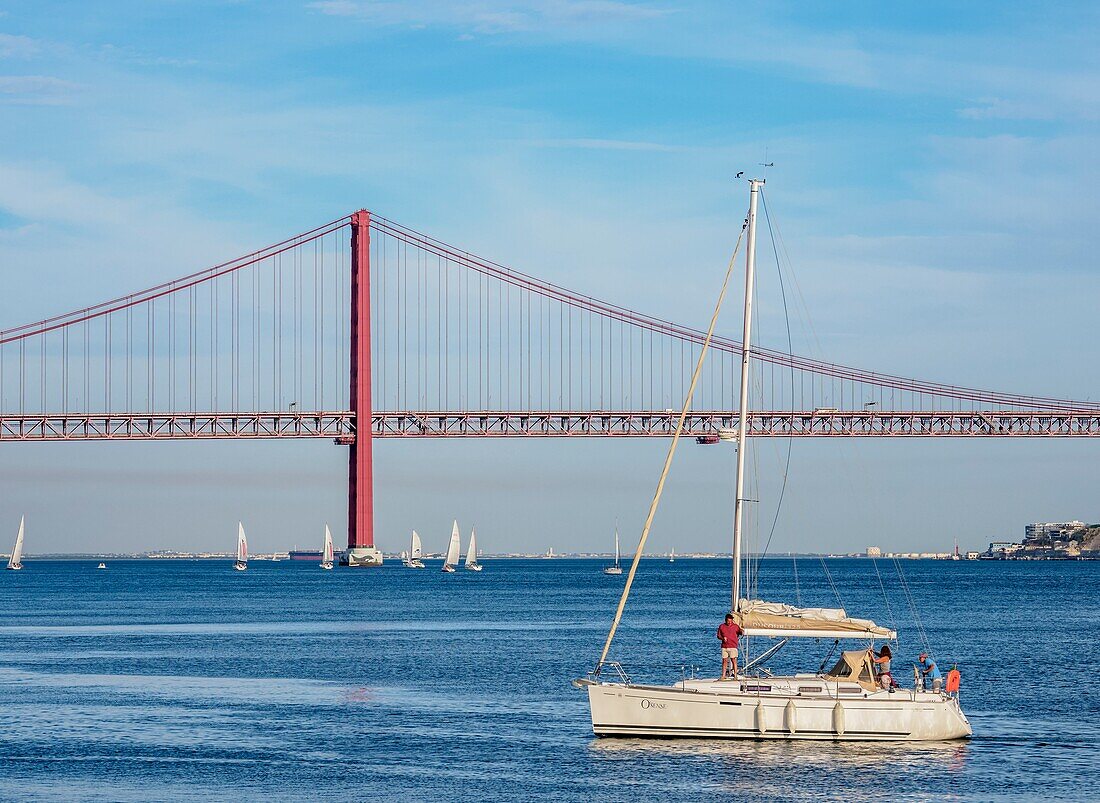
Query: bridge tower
[361,548]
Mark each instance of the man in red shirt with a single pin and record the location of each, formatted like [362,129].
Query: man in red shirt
[728,633]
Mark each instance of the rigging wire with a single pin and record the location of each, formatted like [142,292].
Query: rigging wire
[886,599]
[913,608]
[790,349]
[832,585]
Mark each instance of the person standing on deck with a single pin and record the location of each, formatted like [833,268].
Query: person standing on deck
[929,670]
[729,633]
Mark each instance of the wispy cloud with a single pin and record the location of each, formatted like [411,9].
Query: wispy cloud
[605,145]
[12,46]
[36,89]
[490,17]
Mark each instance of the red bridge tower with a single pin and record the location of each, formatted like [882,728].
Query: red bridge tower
[361,548]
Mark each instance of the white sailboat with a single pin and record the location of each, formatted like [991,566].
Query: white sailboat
[453,548]
[326,550]
[672,555]
[616,568]
[412,559]
[15,562]
[102,566]
[242,549]
[842,704]
[471,554]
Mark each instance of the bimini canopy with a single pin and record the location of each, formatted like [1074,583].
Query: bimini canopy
[775,619]
[856,667]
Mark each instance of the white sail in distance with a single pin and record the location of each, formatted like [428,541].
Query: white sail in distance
[242,545]
[326,550]
[16,559]
[454,547]
[416,551]
[471,553]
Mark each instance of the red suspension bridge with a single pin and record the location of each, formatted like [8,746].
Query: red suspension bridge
[364,320]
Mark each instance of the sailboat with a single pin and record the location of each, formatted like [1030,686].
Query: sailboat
[672,555]
[102,566]
[453,548]
[616,568]
[471,554]
[412,559]
[242,549]
[841,704]
[15,562]
[326,550]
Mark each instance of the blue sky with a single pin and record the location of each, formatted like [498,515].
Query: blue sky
[936,180]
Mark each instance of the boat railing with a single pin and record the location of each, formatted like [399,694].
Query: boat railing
[687,671]
[614,666]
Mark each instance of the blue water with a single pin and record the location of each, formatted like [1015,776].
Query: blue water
[181,680]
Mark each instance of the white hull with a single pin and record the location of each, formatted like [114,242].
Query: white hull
[449,569]
[326,566]
[240,566]
[474,567]
[704,709]
[613,570]
[413,564]
[15,567]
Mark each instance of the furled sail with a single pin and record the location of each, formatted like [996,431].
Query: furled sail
[777,619]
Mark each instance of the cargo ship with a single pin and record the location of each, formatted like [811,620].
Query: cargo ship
[306,554]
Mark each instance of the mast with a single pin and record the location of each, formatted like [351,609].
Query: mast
[743,417]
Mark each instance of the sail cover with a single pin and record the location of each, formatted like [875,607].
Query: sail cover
[777,619]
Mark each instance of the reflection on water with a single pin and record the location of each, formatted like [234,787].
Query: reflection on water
[774,752]
[190,682]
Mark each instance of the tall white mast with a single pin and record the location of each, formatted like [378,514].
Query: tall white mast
[750,268]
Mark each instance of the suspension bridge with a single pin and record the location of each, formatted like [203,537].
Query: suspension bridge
[363,320]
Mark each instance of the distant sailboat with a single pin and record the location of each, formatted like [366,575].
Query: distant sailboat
[102,566]
[549,553]
[672,555]
[471,554]
[412,559]
[453,548]
[242,549]
[15,562]
[616,569]
[326,550]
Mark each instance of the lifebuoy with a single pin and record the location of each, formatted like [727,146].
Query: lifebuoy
[954,678]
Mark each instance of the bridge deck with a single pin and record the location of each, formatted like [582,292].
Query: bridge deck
[340,425]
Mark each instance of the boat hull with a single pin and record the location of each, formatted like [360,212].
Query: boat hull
[679,711]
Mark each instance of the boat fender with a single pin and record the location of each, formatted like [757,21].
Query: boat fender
[838,719]
[954,678]
[761,726]
[789,716]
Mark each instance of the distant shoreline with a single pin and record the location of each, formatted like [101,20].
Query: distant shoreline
[396,558]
